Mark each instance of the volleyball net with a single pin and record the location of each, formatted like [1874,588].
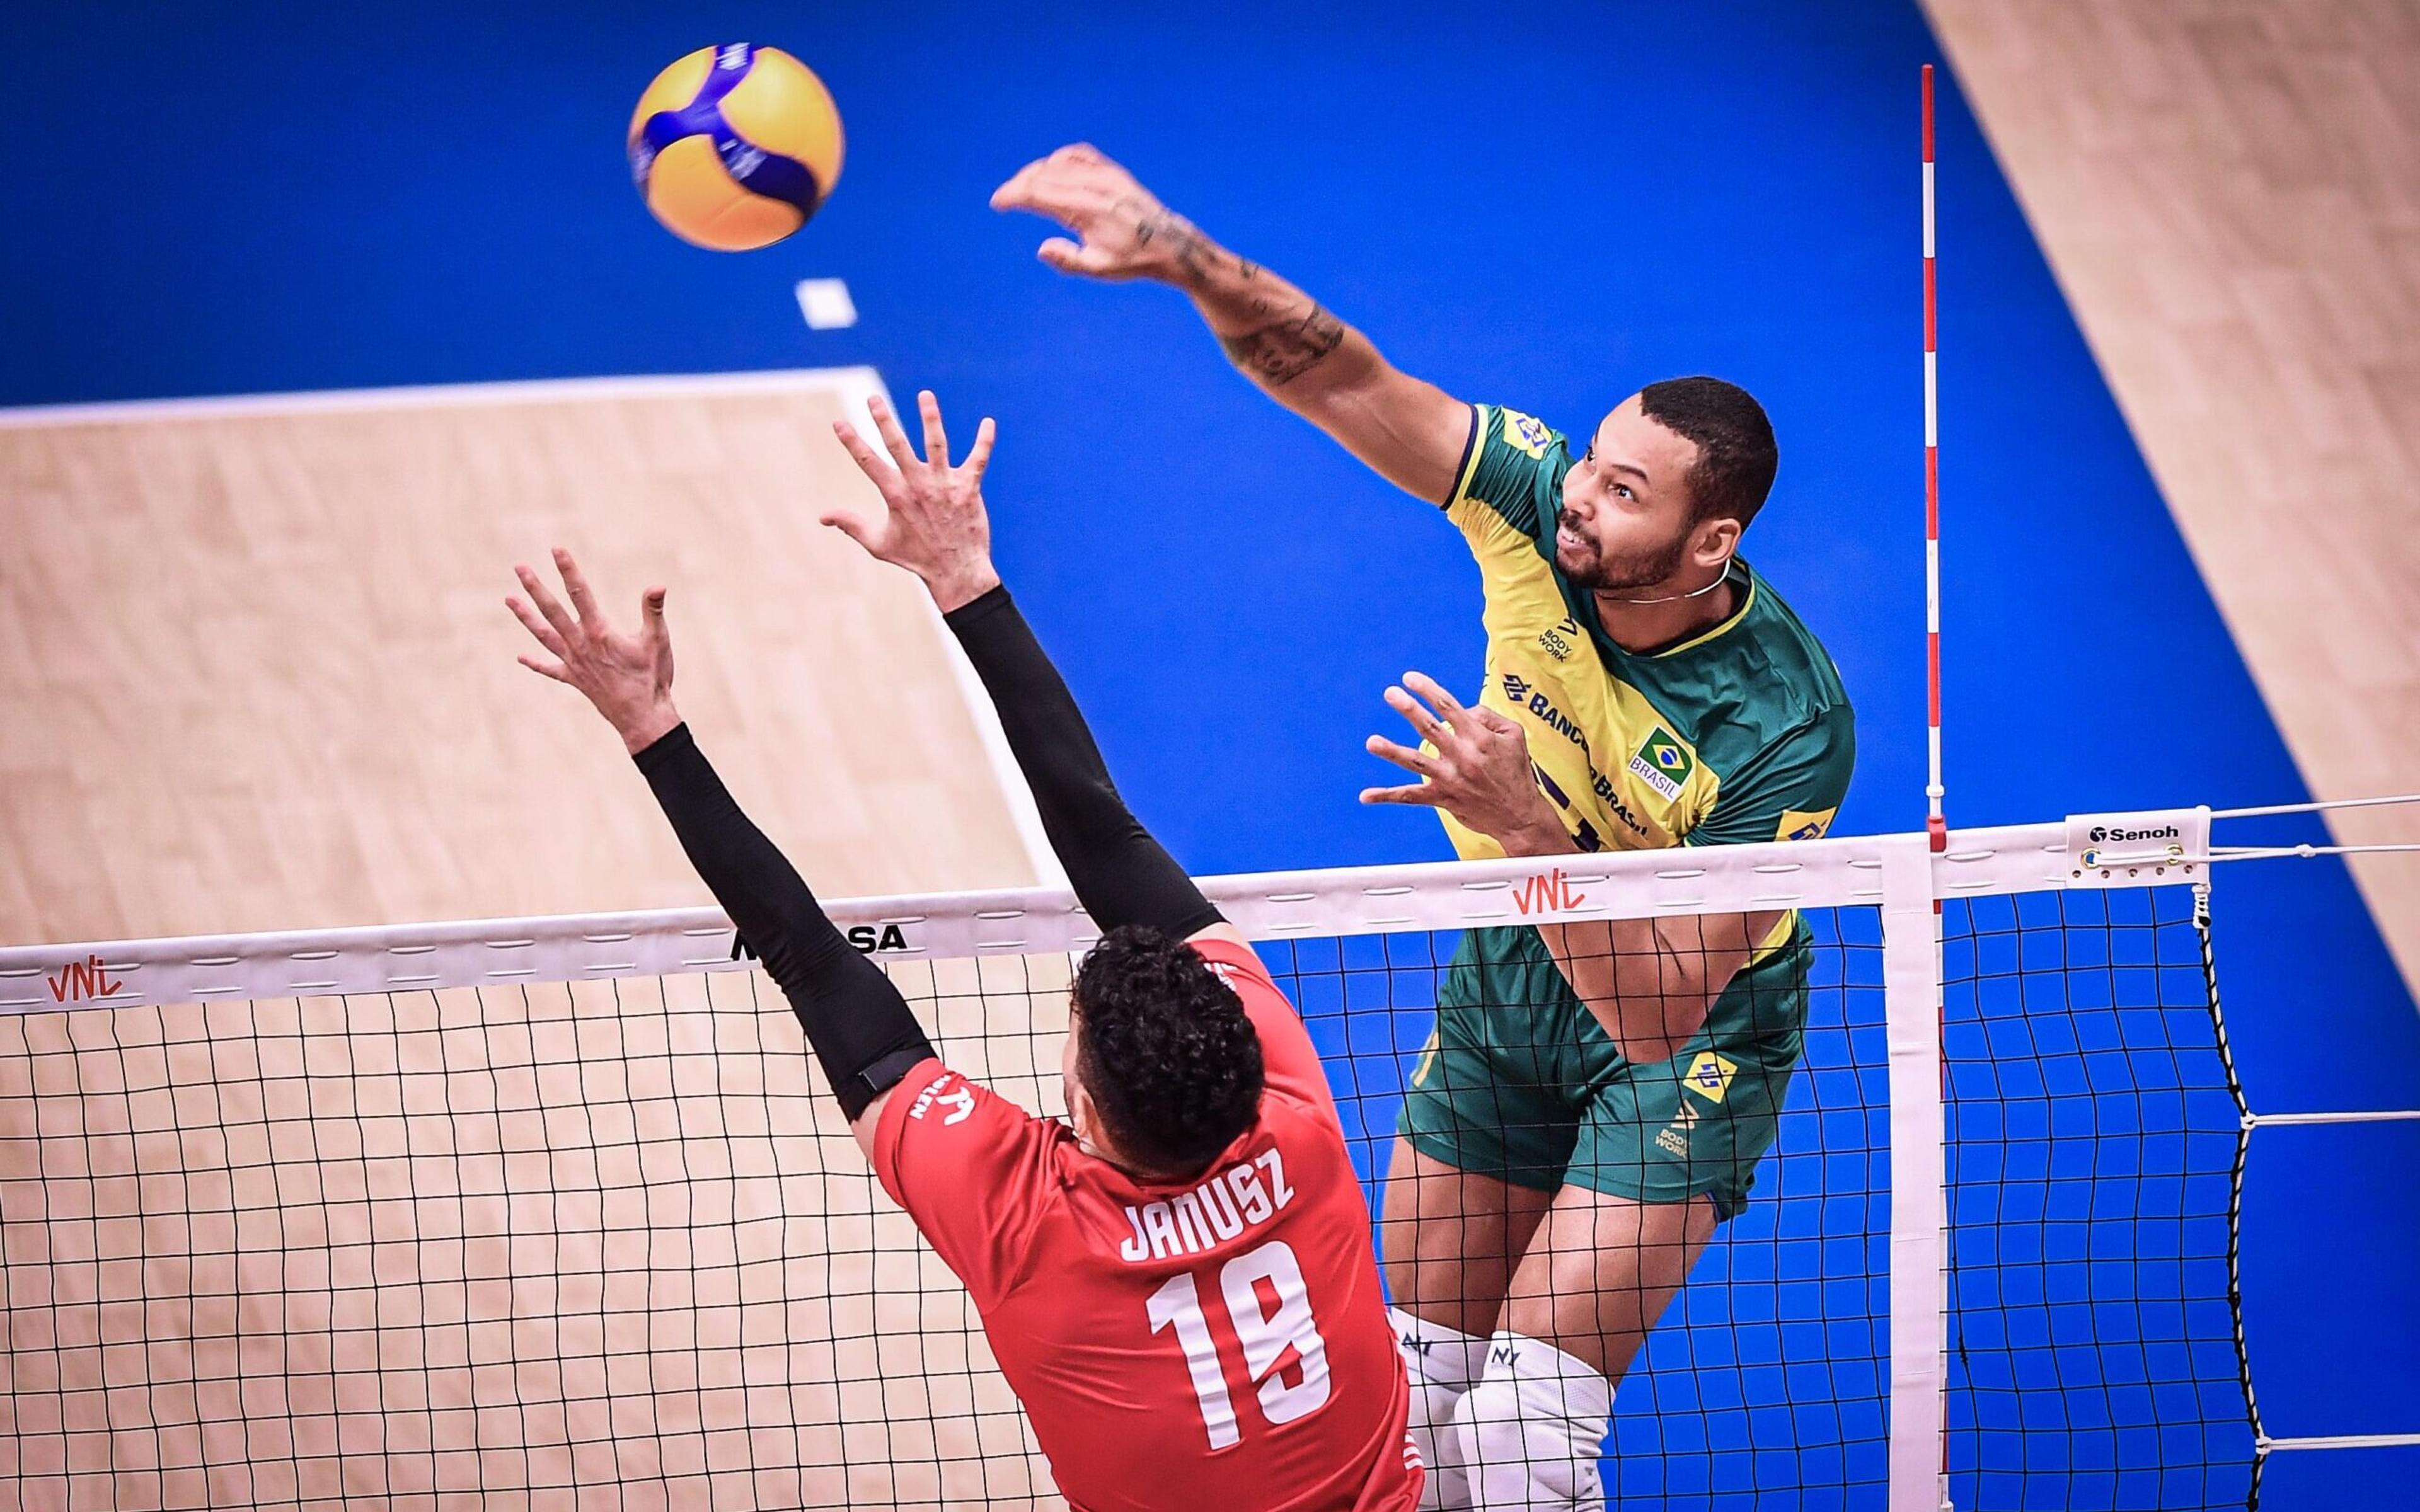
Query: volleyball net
[556,1211]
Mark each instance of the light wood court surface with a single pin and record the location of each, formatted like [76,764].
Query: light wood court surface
[2229,193]
[258,673]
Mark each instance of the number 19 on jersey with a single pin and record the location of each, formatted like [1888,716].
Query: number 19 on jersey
[1267,1334]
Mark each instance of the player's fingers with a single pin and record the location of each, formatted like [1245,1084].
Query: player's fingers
[1068,257]
[557,615]
[894,440]
[584,603]
[979,456]
[1429,726]
[1448,707]
[880,473]
[544,669]
[1409,758]
[1017,192]
[936,438]
[1494,723]
[651,611]
[855,527]
[539,630]
[1419,794]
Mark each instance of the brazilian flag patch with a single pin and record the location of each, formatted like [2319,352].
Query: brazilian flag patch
[1663,762]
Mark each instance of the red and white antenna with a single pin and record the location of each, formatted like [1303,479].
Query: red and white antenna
[1934,824]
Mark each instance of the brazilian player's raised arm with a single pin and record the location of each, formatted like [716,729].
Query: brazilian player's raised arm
[934,525]
[855,1022]
[1409,430]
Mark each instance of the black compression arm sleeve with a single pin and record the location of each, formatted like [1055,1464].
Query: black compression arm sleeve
[1121,873]
[857,1023]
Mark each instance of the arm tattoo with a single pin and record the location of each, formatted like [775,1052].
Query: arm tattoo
[1277,354]
[1194,251]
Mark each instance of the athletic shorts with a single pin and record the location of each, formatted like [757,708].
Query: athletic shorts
[1521,1083]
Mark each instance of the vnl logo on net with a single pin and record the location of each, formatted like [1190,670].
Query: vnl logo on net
[82,982]
[1547,894]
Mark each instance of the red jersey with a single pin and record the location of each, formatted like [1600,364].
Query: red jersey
[1215,1342]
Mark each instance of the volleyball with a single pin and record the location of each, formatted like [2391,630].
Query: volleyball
[736,146]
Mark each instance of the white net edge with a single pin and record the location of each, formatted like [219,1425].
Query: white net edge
[1277,905]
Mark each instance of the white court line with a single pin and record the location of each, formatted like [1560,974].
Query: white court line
[845,380]
[854,386]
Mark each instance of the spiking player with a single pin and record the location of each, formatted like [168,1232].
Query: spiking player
[1177,1281]
[1597,1097]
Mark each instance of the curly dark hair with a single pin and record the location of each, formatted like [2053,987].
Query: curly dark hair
[1736,455]
[1171,1062]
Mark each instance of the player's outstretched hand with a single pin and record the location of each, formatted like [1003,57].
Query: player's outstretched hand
[1123,231]
[628,676]
[934,523]
[1475,766]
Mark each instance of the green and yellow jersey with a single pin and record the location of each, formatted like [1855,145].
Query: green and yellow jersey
[1742,732]
[1739,733]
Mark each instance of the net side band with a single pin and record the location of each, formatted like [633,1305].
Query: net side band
[955,926]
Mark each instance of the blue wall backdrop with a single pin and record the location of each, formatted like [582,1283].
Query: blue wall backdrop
[1546,208]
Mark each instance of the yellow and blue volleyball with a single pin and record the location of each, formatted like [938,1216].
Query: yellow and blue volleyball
[736,146]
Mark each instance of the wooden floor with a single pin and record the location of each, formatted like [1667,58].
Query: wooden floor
[2229,193]
[258,674]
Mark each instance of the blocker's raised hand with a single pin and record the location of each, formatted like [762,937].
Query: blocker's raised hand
[934,523]
[627,675]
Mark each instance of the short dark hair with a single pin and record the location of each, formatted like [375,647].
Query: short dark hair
[1736,455]
[1173,1063]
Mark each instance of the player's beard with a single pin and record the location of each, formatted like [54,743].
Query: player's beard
[1585,561]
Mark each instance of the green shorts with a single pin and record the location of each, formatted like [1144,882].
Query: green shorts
[1521,1083]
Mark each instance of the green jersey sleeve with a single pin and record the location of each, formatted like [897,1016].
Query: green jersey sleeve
[1514,464]
[1790,789]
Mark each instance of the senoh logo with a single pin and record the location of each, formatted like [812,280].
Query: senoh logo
[81,981]
[1547,894]
[2105,835]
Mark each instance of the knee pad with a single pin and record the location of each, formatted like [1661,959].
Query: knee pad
[1529,1431]
[1443,1364]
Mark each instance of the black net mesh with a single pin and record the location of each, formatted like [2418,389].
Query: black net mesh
[606,1245]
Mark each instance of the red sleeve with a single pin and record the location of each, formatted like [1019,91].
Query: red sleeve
[1287,1057]
[971,1167]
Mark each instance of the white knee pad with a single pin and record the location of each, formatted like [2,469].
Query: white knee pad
[1531,1430]
[1443,1364]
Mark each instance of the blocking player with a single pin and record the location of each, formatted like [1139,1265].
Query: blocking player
[1597,1096]
[1177,1281]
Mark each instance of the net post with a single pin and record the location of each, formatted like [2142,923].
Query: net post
[1919,1207]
